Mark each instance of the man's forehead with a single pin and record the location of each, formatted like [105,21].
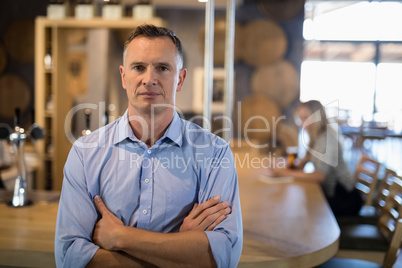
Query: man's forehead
[157,49]
[154,41]
[161,45]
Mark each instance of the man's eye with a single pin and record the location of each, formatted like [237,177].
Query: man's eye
[138,68]
[163,68]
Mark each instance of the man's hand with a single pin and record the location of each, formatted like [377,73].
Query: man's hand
[108,228]
[206,216]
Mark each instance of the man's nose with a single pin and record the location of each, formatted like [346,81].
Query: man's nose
[149,78]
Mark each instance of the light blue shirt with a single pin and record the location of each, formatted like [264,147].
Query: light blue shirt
[149,188]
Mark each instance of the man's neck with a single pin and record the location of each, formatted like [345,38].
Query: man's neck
[150,129]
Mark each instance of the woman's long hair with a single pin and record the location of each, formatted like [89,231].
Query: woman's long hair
[318,122]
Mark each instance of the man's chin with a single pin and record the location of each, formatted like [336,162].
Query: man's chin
[154,108]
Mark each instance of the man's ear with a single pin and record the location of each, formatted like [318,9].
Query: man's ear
[182,77]
[122,74]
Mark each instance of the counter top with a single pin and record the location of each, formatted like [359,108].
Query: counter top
[27,233]
[285,224]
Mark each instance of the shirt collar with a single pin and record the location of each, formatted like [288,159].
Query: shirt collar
[173,133]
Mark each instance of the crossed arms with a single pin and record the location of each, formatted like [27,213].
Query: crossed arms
[123,245]
[182,231]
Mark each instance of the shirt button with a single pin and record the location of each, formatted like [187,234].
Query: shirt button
[149,151]
[146,180]
[144,211]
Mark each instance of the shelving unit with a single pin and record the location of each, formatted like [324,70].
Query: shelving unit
[50,84]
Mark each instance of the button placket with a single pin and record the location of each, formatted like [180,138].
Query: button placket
[146,190]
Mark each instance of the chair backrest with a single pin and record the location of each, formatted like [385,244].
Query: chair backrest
[392,209]
[366,177]
[390,221]
[383,190]
[392,253]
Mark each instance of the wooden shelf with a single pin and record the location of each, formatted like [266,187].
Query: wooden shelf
[98,22]
[49,113]
[49,157]
[53,34]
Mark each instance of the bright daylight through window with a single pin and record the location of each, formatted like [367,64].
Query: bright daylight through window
[353,55]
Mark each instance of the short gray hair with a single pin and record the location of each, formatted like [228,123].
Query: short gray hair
[152,31]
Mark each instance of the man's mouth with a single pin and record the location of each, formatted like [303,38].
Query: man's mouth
[149,95]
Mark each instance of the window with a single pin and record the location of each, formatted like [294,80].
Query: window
[353,55]
[349,83]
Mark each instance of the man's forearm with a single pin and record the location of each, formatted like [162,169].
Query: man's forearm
[106,258]
[184,249]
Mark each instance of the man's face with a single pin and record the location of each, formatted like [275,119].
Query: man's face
[151,75]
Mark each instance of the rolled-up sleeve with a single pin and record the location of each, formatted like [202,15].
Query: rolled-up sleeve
[76,216]
[226,240]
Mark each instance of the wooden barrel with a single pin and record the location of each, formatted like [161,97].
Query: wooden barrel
[3,58]
[220,40]
[279,81]
[264,42]
[258,113]
[14,93]
[281,10]
[19,40]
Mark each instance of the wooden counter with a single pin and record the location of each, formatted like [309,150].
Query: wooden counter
[284,224]
[27,233]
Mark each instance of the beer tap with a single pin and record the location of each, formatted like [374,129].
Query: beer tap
[35,132]
[87,130]
[17,139]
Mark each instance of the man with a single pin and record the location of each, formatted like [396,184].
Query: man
[150,189]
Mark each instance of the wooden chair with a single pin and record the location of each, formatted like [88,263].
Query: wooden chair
[366,178]
[383,191]
[362,236]
[389,259]
[370,214]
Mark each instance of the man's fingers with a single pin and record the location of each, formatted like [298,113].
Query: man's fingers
[100,206]
[206,216]
[213,225]
[215,217]
[204,206]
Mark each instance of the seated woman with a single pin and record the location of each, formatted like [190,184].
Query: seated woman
[325,152]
